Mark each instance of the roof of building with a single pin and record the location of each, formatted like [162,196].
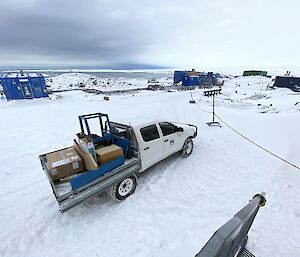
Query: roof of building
[22,75]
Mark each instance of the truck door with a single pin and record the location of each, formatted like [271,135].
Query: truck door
[172,138]
[151,146]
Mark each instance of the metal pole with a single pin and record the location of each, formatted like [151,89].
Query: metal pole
[213,107]
[230,239]
[213,122]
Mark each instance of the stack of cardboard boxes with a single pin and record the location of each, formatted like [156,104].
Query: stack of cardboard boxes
[67,162]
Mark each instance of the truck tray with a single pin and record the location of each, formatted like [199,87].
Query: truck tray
[68,198]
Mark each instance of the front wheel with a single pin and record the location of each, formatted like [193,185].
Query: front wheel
[122,190]
[187,148]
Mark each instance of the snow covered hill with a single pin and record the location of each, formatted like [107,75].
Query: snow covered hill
[83,80]
[179,203]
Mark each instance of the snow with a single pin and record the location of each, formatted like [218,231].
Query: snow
[32,74]
[83,80]
[178,203]
[21,75]
[11,75]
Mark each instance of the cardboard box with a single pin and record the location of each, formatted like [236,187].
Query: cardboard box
[87,146]
[108,153]
[88,160]
[64,163]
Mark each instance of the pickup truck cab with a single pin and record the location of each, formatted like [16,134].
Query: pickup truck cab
[159,139]
[144,144]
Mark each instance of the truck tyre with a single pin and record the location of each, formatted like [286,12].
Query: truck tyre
[119,192]
[187,148]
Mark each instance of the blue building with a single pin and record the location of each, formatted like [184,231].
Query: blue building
[179,76]
[194,78]
[191,81]
[23,85]
[290,82]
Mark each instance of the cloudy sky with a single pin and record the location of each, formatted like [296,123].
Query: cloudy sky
[190,33]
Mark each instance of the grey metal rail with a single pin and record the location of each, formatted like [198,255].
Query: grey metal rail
[98,180]
[230,239]
[100,187]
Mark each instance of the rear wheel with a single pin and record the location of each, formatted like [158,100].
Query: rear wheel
[122,190]
[187,148]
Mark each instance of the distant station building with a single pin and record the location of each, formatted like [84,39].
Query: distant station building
[287,81]
[21,85]
[195,78]
[255,73]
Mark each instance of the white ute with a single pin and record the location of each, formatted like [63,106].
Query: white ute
[158,140]
[150,143]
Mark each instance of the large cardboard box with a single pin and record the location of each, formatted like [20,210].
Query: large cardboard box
[109,153]
[64,163]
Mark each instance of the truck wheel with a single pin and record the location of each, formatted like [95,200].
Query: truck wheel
[122,190]
[187,148]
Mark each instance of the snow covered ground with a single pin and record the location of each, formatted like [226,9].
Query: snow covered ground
[178,203]
[84,80]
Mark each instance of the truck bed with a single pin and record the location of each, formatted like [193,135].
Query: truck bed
[68,198]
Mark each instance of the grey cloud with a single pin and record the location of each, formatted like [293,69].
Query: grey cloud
[172,33]
[73,34]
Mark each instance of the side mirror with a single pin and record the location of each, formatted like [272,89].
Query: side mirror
[179,129]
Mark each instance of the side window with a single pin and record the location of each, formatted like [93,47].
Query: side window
[167,128]
[121,132]
[149,133]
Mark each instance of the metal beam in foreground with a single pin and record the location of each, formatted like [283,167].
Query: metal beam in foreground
[230,239]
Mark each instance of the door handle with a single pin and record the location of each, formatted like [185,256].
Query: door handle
[146,148]
[166,140]
[172,142]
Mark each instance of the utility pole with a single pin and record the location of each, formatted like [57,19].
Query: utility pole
[106,97]
[192,101]
[213,92]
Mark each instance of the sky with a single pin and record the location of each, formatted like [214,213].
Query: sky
[119,33]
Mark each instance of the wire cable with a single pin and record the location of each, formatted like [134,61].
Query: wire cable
[259,146]
[248,139]
[202,109]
